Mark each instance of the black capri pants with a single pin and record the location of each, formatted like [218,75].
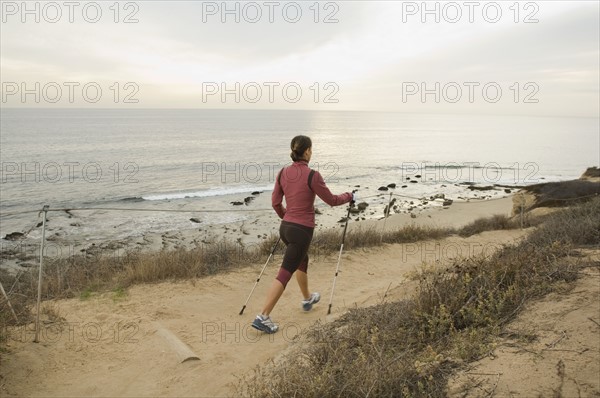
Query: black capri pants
[297,238]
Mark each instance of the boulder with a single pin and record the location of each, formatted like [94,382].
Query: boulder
[14,236]
[195,219]
[392,185]
[484,188]
[382,189]
[236,203]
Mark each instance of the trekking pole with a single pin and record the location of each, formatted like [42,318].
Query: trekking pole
[40,274]
[337,268]
[259,276]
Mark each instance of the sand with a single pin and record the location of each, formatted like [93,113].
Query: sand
[456,215]
[108,345]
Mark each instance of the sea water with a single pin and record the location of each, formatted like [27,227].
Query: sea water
[205,159]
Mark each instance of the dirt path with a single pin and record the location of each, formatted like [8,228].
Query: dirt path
[107,345]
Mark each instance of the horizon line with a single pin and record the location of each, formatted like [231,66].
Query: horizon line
[307,110]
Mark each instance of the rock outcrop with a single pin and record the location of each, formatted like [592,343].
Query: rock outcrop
[557,194]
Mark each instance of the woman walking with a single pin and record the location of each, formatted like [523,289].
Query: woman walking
[299,184]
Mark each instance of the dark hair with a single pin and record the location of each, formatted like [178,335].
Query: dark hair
[299,145]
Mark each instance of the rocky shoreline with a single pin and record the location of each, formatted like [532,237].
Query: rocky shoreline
[73,233]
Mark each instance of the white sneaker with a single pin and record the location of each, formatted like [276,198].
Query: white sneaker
[264,324]
[314,299]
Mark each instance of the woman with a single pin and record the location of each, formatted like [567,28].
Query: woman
[299,184]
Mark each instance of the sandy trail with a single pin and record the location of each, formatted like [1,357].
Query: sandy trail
[108,345]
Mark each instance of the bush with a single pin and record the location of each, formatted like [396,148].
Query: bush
[578,225]
[495,222]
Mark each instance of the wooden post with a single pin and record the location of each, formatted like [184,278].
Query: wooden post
[522,209]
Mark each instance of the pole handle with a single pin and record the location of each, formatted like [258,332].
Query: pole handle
[353,192]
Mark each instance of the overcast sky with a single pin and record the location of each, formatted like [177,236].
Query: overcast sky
[377,56]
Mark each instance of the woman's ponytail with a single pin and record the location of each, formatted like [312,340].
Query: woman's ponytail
[299,145]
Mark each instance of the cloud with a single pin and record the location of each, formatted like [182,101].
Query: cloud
[560,54]
[369,53]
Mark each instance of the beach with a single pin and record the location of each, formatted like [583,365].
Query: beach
[76,233]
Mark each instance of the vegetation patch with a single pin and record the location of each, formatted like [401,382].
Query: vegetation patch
[409,348]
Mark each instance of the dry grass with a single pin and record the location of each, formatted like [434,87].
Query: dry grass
[328,241]
[499,222]
[81,276]
[409,348]
[495,222]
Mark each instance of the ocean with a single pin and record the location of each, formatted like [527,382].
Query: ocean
[206,159]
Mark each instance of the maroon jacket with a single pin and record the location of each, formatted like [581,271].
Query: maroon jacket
[292,181]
